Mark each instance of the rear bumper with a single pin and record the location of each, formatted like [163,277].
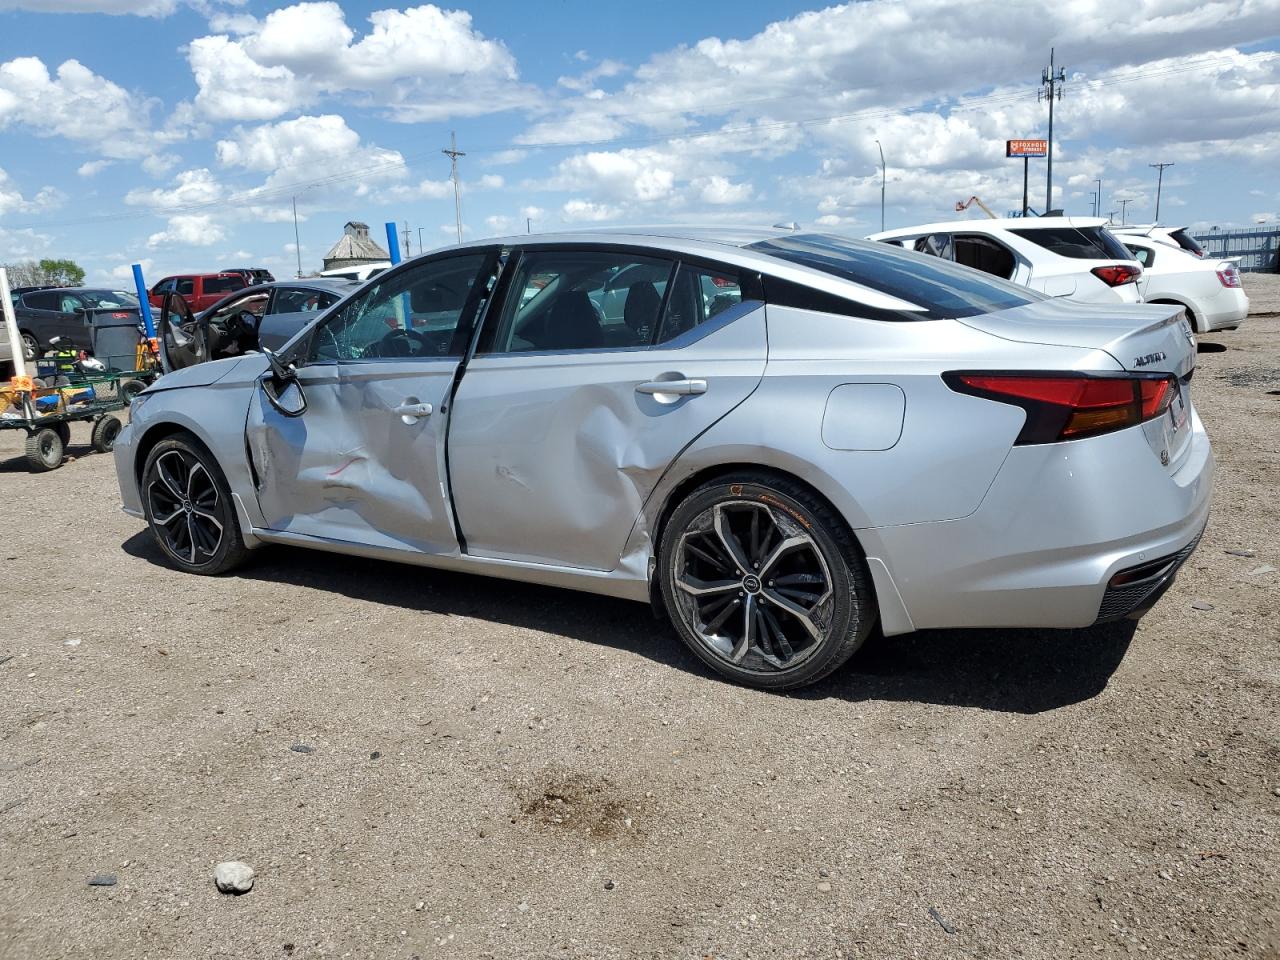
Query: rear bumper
[1059,521]
[1227,310]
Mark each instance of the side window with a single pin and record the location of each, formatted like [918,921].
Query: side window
[412,313]
[254,303]
[696,296]
[1142,254]
[184,286]
[985,254]
[580,300]
[164,286]
[41,300]
[936,245]
[69,303]
[293,300]
[223,284]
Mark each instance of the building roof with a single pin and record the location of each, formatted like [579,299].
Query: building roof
[356,244]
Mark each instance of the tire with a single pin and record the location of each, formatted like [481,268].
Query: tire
[30,346]
[810,616]
[45,450]
[105,432]
[197,528]
[130,389]
[64,431]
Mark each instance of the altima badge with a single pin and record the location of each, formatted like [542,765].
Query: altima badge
[1148,359]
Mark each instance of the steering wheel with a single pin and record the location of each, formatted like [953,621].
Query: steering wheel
[399,343]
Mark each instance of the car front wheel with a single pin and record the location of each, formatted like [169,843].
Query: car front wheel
[764,581]
[188,507]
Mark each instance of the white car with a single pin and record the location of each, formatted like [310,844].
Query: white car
[360,273]
[1174,236]
[1074,257]
[1209,290]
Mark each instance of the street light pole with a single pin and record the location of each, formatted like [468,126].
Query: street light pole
[882,180]
[1098,212]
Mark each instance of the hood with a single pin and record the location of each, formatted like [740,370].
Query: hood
[246,368]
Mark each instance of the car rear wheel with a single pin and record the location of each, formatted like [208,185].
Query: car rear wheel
[30,346]
[764,582]
[188,507]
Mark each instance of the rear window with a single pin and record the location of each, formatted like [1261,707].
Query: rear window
[1187,242]
[941,288]
[1077,243]
[223,284]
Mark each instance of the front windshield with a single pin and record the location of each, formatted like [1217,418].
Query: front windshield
[108,299]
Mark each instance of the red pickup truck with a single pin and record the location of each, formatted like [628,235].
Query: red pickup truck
[200,290]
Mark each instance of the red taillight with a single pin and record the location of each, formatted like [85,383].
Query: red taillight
[1117,274]
[1069,406]
[1229,275]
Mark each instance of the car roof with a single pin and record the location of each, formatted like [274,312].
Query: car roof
[999,223]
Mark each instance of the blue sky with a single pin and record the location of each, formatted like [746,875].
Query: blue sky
[176,132]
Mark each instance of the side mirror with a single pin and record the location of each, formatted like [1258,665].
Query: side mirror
[280,384]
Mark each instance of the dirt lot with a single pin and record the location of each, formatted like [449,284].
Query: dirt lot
[508,771]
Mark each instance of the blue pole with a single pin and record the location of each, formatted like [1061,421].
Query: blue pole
[393,242]
[143,303]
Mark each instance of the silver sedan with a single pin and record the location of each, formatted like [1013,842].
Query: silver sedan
[781,439]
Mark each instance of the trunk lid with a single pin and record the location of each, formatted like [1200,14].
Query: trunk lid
[1142,338]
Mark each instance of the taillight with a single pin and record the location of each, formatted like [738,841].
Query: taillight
[1117,274]
[1229,275]
[1068,406]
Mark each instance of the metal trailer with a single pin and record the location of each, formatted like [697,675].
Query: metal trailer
[47,412]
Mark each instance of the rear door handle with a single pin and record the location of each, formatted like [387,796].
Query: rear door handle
[682,388]
[409,412]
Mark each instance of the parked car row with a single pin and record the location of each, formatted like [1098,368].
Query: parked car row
[782,439]
[46,313]
[1084,259]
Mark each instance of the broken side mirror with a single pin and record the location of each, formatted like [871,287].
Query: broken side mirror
[280,384]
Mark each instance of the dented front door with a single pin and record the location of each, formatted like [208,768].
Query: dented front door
[365,462]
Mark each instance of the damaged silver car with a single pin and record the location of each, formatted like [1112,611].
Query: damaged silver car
[781,439]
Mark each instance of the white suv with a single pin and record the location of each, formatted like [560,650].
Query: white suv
[1209,290]
[1074,257]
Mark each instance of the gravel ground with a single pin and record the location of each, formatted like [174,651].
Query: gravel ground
[427,765]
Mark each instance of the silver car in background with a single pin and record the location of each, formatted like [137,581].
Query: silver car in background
[783,439]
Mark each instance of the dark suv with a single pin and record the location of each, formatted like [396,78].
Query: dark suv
[47,312]
[252,275]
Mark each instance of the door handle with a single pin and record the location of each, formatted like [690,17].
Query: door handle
[410,412]
[680,388]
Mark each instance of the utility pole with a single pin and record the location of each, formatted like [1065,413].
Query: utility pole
[1098,212]
[453,153]
[881,186]
[1111,217]
[297,244]
[528,224]
[1051,82]
[1093,203]
[1159,183]
[420,246]
[1124,205]
[408,250]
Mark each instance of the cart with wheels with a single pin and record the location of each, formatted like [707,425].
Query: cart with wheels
[47,412]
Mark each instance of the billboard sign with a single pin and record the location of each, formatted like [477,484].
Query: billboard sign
[1026,148]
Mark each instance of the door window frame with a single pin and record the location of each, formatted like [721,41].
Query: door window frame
[303,354]
[748,280]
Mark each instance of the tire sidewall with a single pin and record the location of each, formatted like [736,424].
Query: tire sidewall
[845,609]
[226,514]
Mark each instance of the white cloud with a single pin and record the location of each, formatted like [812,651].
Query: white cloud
[420,63]
[91,168]
[189,187]
[720,190]
[77,104]
[196,230]
[490,181]
[12,200]
[308,147]
[585,210]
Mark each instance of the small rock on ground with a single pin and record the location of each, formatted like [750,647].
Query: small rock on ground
[233,877]
[102,880]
